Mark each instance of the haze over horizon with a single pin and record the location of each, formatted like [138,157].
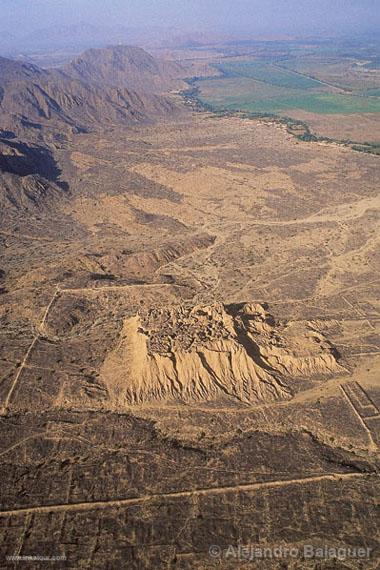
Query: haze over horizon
[23,17]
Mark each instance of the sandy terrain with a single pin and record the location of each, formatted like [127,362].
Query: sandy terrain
[363,127]
[190,349]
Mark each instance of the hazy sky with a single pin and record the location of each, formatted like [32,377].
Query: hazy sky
[22,16]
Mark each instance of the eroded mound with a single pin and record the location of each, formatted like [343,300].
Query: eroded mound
[207,352]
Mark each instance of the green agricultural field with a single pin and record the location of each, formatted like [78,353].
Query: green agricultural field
[269,73]
[322,103]
[265,88]
[373,92]
[232,91]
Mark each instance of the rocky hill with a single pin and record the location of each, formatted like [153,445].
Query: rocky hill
[102,88]
[126,66]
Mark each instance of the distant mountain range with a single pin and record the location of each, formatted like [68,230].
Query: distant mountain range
[79,37]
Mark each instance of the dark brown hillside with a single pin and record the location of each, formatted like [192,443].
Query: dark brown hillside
[28,194]
[24,159]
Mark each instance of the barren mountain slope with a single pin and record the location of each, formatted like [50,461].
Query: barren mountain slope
[130,67]
[31,98]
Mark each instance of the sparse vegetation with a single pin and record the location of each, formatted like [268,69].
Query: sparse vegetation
[299,129]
